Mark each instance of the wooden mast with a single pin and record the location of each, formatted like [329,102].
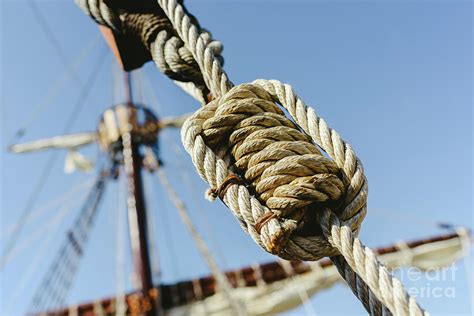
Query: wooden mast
[137,218]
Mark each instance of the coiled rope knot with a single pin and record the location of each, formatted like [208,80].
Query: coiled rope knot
[277,161]
[144,24]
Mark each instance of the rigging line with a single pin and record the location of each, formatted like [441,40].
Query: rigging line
[15,235]
[57,281]
[59,200]
[302,292]
[146,84]
[52,159]
[52,92]
[155,260]
[237,305]
[86,89]
[39,231]
[120,305]
[32,268]
[53,39]
[154,100]
[187,180]
[168,233]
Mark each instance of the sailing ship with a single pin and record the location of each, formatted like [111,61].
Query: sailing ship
[129,137]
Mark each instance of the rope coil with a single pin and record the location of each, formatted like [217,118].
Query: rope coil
[285,172]
[293,201]
[148,25]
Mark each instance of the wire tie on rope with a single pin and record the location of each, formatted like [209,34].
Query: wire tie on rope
[230,180]
[263,220]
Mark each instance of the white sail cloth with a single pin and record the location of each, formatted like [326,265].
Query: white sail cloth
[281,296]
[72,141]
[74,160]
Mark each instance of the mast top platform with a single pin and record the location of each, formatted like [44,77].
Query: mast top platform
[138,120]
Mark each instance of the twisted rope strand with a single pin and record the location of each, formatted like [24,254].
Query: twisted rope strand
[148,26]
[364,263]
[214,75]
[210,167]
[298,212]
[238,307]
[248,209]
[359,287]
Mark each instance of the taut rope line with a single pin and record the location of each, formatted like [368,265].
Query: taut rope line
[238,307]
[293,201]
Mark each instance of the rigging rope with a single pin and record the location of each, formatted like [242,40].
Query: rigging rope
[169,241]
[55,285]
[302,292]
[180,154]
[58,201]
[155,259]
[48,167]
[52,92]
[33,265]
[293,201]
[30,202]
[150,27]
[222,281]
[121,305]
[38,232]
[54,41]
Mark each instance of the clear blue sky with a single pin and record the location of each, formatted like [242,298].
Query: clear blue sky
[392,77]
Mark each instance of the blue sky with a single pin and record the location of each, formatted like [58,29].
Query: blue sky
[394,78]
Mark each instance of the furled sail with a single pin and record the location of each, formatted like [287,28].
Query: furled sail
[72,141]
[108,133]
[279,286]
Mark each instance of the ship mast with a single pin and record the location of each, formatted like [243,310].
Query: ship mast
[137,217]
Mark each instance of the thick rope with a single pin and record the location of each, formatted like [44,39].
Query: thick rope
[149,25]
[375,275]
[293,170]
[372,283]
[215,170]
[291,200]
[211,67]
